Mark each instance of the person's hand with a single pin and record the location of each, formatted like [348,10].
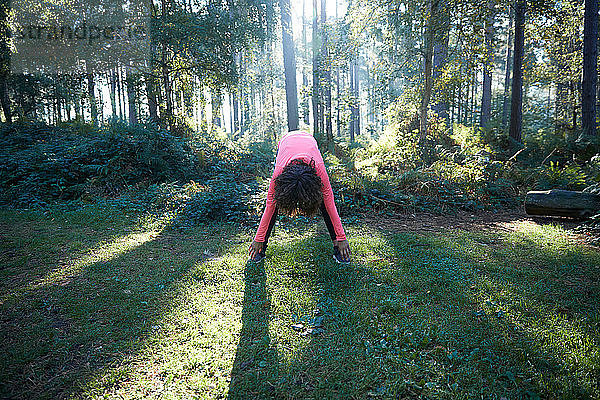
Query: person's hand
[344,247]
[255,248]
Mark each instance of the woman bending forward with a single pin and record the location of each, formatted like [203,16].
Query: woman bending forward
[300,186]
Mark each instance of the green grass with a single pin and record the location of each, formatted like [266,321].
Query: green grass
[99,303]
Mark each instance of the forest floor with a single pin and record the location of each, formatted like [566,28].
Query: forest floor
[102,303]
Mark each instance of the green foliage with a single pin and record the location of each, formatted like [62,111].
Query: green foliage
[568,176]
[449,170]
[41,163]
[224,199]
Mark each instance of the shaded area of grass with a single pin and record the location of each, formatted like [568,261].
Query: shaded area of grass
[157,312]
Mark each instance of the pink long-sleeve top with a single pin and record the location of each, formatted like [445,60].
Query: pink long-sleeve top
[300,145]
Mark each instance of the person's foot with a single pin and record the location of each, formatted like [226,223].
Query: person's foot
[337,256]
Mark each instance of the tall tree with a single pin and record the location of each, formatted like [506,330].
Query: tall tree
[355,100]
[305,57]
[92,97]
[4,61]
[326,68]
[516,114]
[235,102]
[316,75]
[429,39]
[131,96]
[289,65]
[509,44]
[486,94]
[590,65]
[440,57]
[352,126]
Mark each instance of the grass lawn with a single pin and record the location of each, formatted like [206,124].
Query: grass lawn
[99,303]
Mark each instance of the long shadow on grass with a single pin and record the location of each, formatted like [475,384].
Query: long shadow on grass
[254,354]
[311,290]
[498,307]
[63,333]
[416,316]
[34,245]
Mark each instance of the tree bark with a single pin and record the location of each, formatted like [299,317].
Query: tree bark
[4,99]
[486,95]
[120,92]
[351,83]
[92,98]
[428,66]
[590,65]
[168,117]
[215,102]
[131,97]
[4,61]
[168,92]
[316,75]
[289,65]
[509,44]
[516,115]
[355,101]
[563,203]
[440,56]
[326,67]
[235,110]
[305,96]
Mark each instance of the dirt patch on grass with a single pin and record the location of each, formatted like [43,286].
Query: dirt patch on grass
[510,220]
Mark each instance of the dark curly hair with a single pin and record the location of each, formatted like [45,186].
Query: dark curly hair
[298,189]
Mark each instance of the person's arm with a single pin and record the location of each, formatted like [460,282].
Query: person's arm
[329,202]
[269,208]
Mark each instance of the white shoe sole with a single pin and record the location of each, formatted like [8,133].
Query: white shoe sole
[340,262]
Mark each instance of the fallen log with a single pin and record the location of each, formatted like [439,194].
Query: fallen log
[562,203]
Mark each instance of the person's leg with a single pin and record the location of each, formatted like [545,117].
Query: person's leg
[328,222]
[270,229]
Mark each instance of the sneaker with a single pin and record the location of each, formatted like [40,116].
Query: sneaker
[337,256]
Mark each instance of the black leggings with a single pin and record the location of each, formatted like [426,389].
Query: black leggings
[324,213]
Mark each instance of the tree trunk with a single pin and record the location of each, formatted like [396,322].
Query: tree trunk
[131,97]
[486,95]
[215,102]
[440,56]
[4,99]
[509,45]
[574,105]
[117,92]
[338,97]
[516,115]
[113,92]
[351,83]
[590,65]
[152,102]
[235,110]
[92,98]
[4,61]
[326,65]
[289,65]
[168,118]
[355,102]
[427,66]
[316,75]
[305,96]
[337,87]
[474,97]
[562,203]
